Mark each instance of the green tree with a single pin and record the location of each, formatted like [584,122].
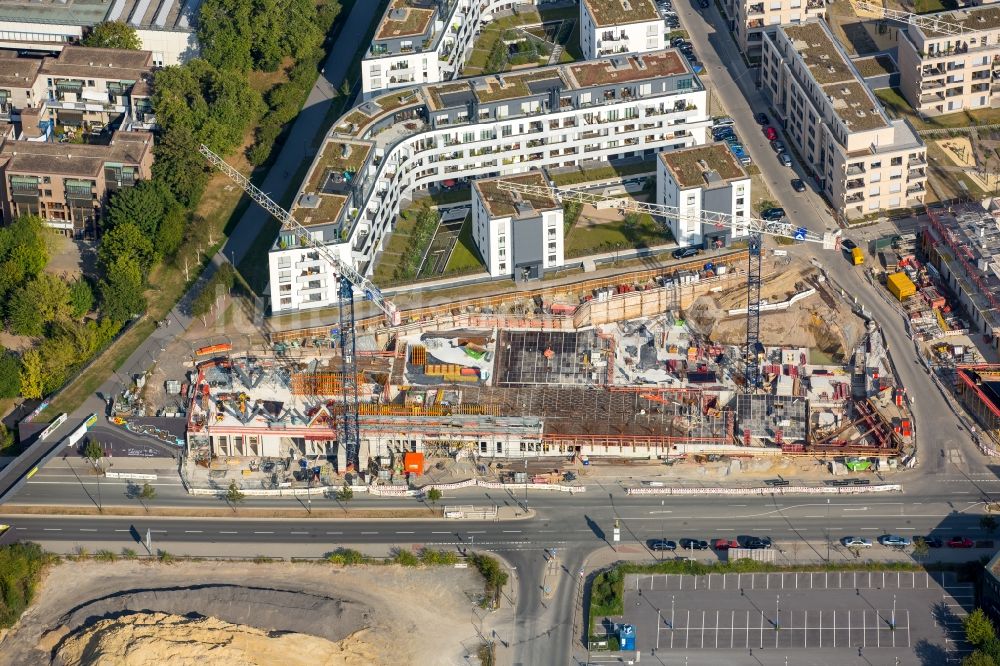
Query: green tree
[23,252]
[433,495]
[146,494]
[234,495]
[978,658]
[143,205]
[6,439]
[225,33]
[920,549]
[978,628]
[170,235]
[113,35]
[988,523]
[345,494]
[21,566]
[81,298]
[31,375]
[45,299]
[93,452]
[126,241]
[10,374]
[179,166]
[122,291]
[23,317]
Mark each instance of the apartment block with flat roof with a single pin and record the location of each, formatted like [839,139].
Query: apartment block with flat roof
[863,161]
[704,179]
[955,67]
[753,17]
[619,107]
[166,28]
[68,184]
[608,27]
[517,234]
[425,41]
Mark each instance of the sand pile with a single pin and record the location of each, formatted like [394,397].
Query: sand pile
[158,638]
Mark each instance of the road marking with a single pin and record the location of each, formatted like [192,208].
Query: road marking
[52,529]
[272,532]
[512,531]
[298,532]
[862,508]
[229,532]
[369,532]
[334,532]
[115,530]
[438,532]
[736,505]
[479,532]
[192,531]
[661,511]
[814,516]
[87,529]
[404,532]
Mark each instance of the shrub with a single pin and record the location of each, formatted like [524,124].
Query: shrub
[405,558]
[129,554]
[105,556]
[433,557]
[21,566]
[347,557]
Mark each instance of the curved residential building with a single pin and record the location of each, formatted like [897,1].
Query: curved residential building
[386,148]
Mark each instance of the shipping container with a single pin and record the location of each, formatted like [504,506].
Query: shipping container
[900,286]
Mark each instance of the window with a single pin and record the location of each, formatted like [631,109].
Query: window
[552,258]
[896,161]
[690,199]
[685,84]
[284,262]
[739,201]
[652,30]
[503,267]
[285,276]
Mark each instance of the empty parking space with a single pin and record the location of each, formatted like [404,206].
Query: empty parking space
[818,617]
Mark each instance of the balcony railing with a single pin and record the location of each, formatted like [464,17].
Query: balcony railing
[854,184]
[855,198]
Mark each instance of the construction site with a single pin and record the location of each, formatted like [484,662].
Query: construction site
[648,369]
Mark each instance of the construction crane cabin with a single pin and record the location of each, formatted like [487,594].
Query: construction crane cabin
[348,279]
[753,228]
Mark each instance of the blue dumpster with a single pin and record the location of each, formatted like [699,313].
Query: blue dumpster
[626,637]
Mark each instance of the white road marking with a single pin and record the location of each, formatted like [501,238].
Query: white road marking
[404,532]
[268,532]
[229,532]
[87,529]
[192,531]
[298,532]
[52,529]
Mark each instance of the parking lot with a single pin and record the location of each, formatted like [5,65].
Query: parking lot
[808,618]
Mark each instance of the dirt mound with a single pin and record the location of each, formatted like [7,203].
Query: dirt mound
[158,638]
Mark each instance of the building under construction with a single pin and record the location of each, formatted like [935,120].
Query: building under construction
[978,387]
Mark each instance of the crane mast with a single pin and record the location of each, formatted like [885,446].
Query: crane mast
[754,228]
[348,279]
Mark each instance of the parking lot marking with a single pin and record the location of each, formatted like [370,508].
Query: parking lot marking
[710,581]
[805,632]
[762,630]
[716,629]
[849,642]
[907,627]
[864,627]
[748,628]
[732,628]
[821,628]
[687,629]
[834,628]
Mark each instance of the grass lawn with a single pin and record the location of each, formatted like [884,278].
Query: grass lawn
[928,6]
[604,173]
[585,239]
[453,196]
[465,257]
[395,248]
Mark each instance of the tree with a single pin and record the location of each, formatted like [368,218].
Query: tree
[345,494]
[224,31]
[93,452]
[146,494]
[81,298]
[978,658]
[234,495]
[31,375]
[978,628]
[121,292]
[143,205]
[45,299]
[6,438]
[126,241]
[179,166]
[113,35]
[170,235]
[920,549]
[10,374]
[433,495]
[23,252]
[988,523]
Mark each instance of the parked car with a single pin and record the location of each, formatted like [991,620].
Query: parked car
[778,146]
[856,542]
[685,252]
[772,214]
[785,159]
[761,118]
[662,544]
[894,541]
[798,185]
[703,4]
[961,542]
[722,121]
[690,56]
[770,133]
[848,244]
[756,543]
[694,544]
[932,542]
[726,544]
[677,41]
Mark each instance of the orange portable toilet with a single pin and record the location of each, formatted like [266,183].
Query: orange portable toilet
[413,463]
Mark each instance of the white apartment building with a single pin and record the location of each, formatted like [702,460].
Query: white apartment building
[943,73]
[517,234]
[863,161]
[166,28]
[425,41]
[704,179]
[384,149]
[753,17]
[619,26]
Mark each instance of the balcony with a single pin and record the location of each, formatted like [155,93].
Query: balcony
[854,198]
[917,162]
[855,170]
[933,71]
[753,10]
[915,189]
[854,184]
[931,99]
[915,174]
[932,85]
[755,23]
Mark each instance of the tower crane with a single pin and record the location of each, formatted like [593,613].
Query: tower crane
[348,279]
[754,228]
[876,10]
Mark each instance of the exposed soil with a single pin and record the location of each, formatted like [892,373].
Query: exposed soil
[205,613]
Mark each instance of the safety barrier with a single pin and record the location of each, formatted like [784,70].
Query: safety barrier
[769,490]
[385,491]
[129,475]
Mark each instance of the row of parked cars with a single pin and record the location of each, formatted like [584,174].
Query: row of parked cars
[896,541]
[751,542]
[687,50]
[669,15]
[723,130]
